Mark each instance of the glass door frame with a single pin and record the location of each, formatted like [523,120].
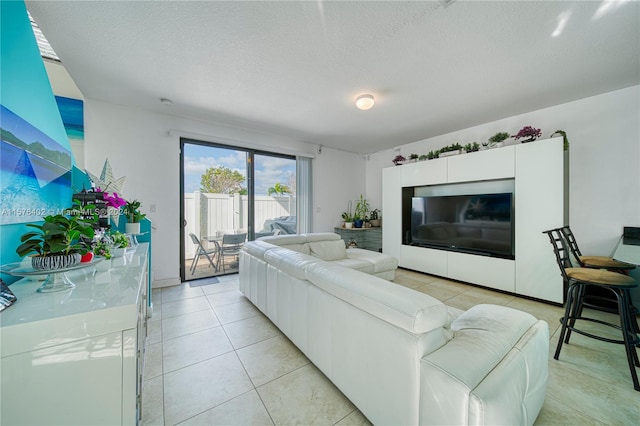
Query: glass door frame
[251,153]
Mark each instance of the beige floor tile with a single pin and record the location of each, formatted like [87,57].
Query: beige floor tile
[249,331]
[246,409]
[556,413]
[226,298]
[182,291]
[184,306]
[476,296]
[154,332]
[304,396]
[156,313]
[152,361]
[153,401]
[270,359]
[549,313]
[156,296]
[595,398]
[199,387]
[603,361]
[192,348]
[220,287]
[356,418]
[440,292]
[190,323]
[236,311]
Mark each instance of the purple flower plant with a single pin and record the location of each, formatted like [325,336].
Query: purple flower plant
[114,200]
[528,132]
[398,159]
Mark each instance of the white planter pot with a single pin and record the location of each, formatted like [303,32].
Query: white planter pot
[132,228]
[348,225]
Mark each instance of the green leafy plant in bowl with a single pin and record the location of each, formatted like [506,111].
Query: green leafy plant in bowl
[60,241]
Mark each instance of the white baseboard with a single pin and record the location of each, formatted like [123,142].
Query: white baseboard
[167,282]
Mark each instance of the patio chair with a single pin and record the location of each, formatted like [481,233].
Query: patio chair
[230,246]
[201,251]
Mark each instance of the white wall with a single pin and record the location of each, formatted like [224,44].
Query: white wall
[604,171]
[139,146]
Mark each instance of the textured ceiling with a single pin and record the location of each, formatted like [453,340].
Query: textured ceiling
[295,68]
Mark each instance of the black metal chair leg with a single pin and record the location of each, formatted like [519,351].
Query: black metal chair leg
[565,319]
[630,338]
[576,308]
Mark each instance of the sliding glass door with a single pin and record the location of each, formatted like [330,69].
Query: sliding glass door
[230,195]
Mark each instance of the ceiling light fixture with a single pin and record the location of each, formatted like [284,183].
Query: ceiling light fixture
[365,102]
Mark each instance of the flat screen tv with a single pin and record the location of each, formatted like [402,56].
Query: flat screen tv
[478,224]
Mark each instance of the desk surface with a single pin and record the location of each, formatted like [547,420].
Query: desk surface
[627,252]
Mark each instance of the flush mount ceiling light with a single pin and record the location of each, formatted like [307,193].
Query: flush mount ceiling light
[365,102]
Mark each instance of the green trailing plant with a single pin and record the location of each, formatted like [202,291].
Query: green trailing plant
[423,157]
[59,234]
[132,211]
[565,139]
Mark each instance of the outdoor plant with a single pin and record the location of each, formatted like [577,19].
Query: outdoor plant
[58,235]
[498,137]
[528,132]
[131,210]
[398,160]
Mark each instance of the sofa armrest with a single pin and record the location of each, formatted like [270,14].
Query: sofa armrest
[493,371]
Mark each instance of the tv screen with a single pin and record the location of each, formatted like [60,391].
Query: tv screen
[478,223]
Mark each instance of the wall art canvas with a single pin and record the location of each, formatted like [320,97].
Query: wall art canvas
[35,172]
[72,114]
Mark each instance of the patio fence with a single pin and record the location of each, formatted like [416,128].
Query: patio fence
[213,214]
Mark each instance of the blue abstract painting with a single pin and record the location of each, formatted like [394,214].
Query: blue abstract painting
[72,114]
[35,172]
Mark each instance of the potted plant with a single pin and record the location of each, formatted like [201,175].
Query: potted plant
[452,149]
[134,216]
[413,158]
[347,217]
[528,132]
[120,242]
[433,154]
[399,160]
[498,139]
[59,242]
[374,218]
[361,212]
[423,157]
[103,249]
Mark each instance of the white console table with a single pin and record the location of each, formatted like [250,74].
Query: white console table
[76,356]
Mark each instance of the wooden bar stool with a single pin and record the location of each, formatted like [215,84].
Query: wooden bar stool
[579,279]
[598,262]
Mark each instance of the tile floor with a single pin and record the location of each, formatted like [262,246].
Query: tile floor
[213,358]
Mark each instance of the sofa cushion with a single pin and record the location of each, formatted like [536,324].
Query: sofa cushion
[292,263]
[381,262]
[300,248]
[403,307]
[328,250]
[322,236]
[258,248]
[361,265]
[281,240]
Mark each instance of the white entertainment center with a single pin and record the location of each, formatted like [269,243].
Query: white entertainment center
[537,169]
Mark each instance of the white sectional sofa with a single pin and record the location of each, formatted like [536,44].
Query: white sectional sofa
[401,356]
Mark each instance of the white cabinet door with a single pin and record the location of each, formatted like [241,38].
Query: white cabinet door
[482,165]
[392,210]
